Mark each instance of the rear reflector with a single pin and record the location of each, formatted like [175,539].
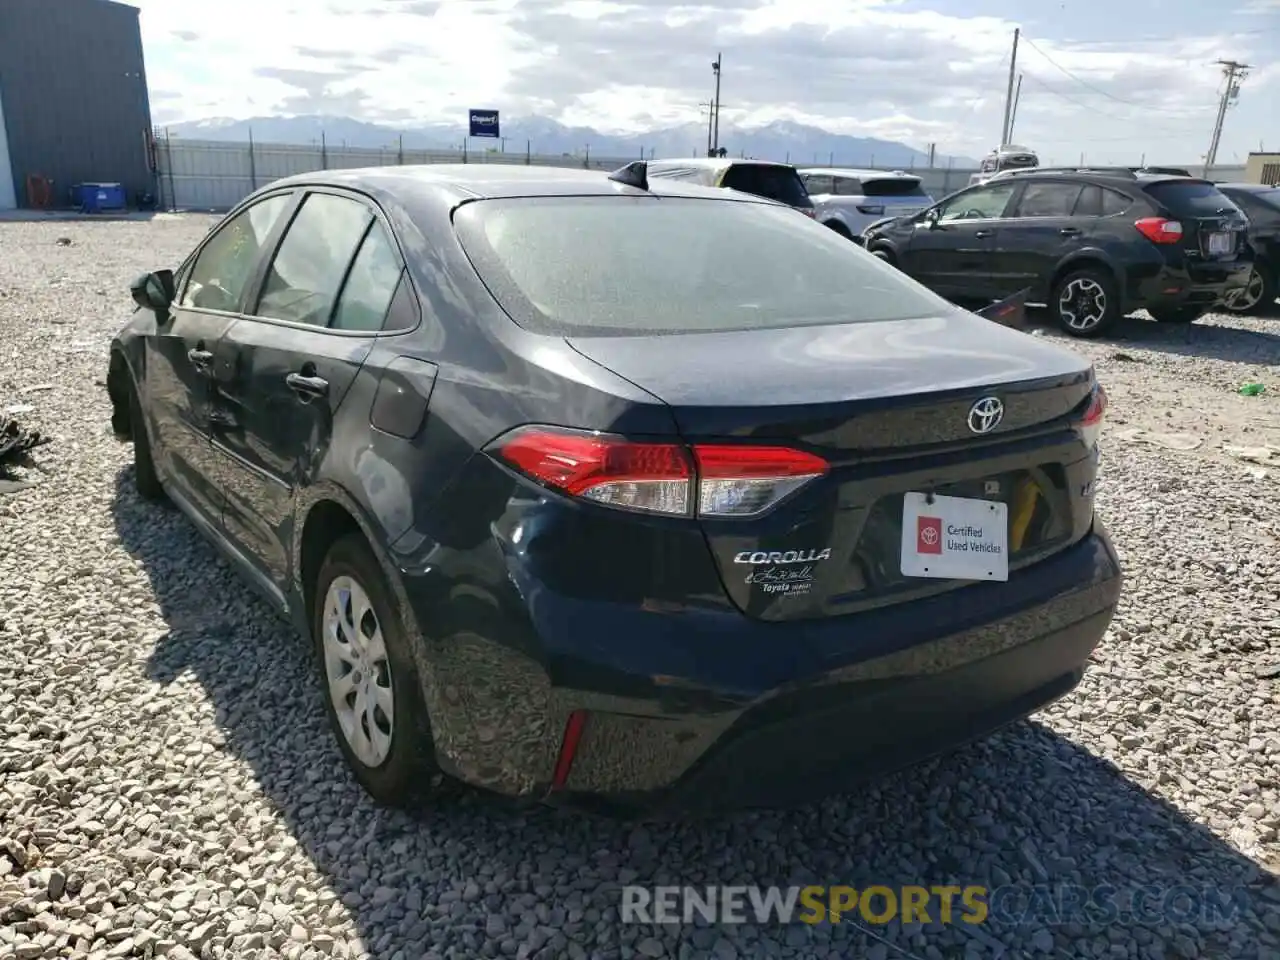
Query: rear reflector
[568,748]
[1160,230]
[711,480]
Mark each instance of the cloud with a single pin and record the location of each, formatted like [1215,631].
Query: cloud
[917,71]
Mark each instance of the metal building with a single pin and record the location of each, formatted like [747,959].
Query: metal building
[73,100]
[1263,168]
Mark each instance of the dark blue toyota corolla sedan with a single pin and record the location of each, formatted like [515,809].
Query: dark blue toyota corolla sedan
[593,489]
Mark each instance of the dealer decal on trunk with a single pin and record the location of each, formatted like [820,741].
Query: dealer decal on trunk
[778,571]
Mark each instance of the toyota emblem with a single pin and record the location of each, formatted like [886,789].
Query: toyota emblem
[986,414]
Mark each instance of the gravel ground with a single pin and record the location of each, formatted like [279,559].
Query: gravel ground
[168,785]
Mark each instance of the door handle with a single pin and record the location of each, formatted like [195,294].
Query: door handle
[1069,232]
[307,387]
[980,234]
[200,358]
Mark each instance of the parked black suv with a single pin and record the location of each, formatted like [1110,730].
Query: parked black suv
[1092,244]
[1261,204]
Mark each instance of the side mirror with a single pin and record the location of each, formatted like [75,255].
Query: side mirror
[931,218]
[154,291]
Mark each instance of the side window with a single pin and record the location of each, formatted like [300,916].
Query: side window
[819,184]
[1089,203]
[302,282]
[1114,202]
[226,265]
[370,285]
[1048,200]
[404,312]
[984,203]
[849,187]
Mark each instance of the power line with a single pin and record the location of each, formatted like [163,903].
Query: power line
[1083,83]
[1086,106]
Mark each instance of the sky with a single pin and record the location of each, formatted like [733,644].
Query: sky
[1112,80]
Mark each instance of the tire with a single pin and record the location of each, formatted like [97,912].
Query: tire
[397,766]
[1176,314]
[1085,303]
[145,478]
[840,228]
[1259,297]
[885,255]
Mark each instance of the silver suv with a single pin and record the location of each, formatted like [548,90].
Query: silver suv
[848,201]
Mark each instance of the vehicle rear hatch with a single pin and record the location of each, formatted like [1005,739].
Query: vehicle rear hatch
[895,196]
[887,406]
[1213,228]
[771,181]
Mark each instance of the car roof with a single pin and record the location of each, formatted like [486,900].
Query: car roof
[1116,176]
[861,173]
[455,183]
[716,163]
[1248,187]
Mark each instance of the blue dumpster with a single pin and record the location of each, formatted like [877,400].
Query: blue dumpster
[96,197]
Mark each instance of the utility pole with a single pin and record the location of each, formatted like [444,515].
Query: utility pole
[715,145]
[1013,114]
[1008,97]
[711,116]
[1234,72]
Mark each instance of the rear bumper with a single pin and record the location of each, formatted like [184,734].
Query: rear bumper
[799,750]
[699,710]
[1204,284]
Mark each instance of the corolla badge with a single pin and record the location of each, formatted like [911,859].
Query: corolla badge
[986,414]
[766,557]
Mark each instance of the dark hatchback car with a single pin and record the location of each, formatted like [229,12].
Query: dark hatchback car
[1092,245]
[1261,204]
[619,492]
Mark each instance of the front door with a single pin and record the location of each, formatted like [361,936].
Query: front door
[283,372]
[1043,227]
[952,255]
[180,355]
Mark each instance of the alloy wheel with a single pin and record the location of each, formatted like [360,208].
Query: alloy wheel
[1082,304]
[358,671]
[1246,298]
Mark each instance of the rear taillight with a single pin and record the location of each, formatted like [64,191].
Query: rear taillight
[875,209]
[741,481]
[1160,230]
[808,211]
[709,480]
[1090,423]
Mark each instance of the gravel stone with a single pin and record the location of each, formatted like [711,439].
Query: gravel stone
[169,787]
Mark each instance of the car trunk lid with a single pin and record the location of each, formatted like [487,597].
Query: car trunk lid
[888,407]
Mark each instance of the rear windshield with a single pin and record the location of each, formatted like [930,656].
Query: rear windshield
[773,183]
[1192,198]
[894,187]
[618,266]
